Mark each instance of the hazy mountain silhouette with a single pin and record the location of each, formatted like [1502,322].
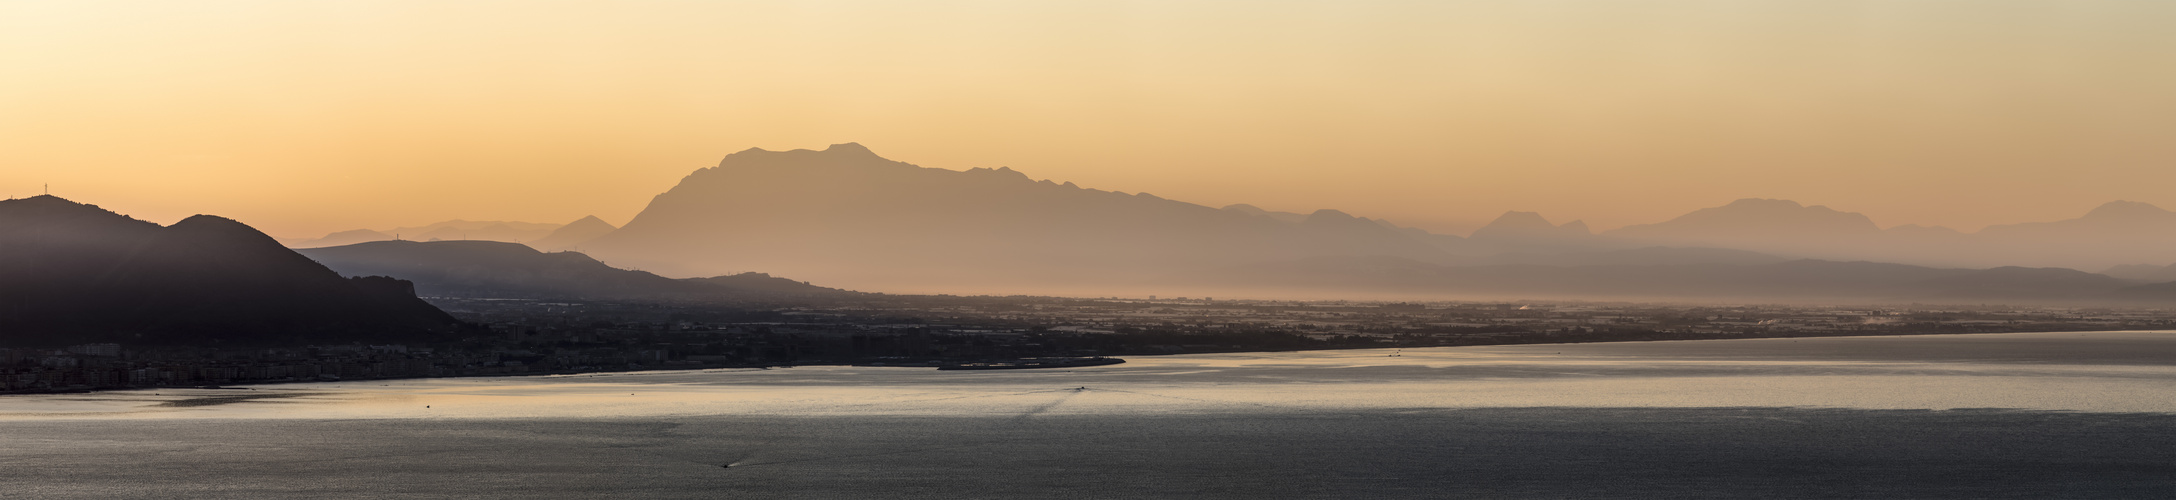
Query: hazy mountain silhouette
[507,231]
[845,215]
[764,284]
[1650,256]
[1243,208]
[1529,232]
[1762,225]
[342,238]
[73,273]
[1784,281]
[490,269]
[2116,233]
[2143,272]
[573,234]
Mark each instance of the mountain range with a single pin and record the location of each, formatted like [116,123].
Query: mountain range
[1788,281]
[848,216]
[845,215]
[72,273]
[547,236]
[2116,233]
[490,269]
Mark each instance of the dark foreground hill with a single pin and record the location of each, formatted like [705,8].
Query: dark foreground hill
[73,273]
[489,269]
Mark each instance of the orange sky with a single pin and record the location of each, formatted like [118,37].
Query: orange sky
[307,117]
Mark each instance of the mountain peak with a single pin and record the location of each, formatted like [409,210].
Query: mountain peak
[1530,227]
[1765,203]
[849,148]
[1520,220]
[1328,215]
[573,234]
[2120,209]
[210,222]
[47,202]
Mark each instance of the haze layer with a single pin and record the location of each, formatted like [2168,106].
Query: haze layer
[308,118]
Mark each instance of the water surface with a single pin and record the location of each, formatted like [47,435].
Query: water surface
[2008,415]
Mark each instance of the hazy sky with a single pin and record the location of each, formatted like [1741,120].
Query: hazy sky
[307,117]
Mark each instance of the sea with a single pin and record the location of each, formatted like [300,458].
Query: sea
[2022,415]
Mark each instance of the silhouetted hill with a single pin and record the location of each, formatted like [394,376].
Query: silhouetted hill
[573,234]
[1650,256]
[73,273]
[485,230]
[343,238]
[507,231]
[1243,208]
[1761,225]
[492,269]
[844,215]
[2143,272]
[1515,232]
[2116,233]
[761,283]
[2120,232]
[489,269]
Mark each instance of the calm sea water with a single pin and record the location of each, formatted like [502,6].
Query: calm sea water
[1964,416]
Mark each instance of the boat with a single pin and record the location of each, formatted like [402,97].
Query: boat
[1027,363]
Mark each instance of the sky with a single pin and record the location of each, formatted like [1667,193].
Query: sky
[303,118]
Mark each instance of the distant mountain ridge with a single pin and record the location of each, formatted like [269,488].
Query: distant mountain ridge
[573,234]
[1797,280]
[2116,233]
[490,269]
[72,273]
[457,229]
[846,215]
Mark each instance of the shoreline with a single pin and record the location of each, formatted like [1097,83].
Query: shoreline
[930,364]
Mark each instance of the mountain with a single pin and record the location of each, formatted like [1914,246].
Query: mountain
[2115,233]
[73,273]
[1797,280]
[495,270]
[1650,256]
[343,238]
[2119,232]
[762,283]
[845,215]
[512,232]
[1243,208]
[1763,225]
[507,231]
[2143,272]
[490,269]
[573,234]
[1528,232]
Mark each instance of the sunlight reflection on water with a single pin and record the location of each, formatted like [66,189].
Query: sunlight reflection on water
[2093,372]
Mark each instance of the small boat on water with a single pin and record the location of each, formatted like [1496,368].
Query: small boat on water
[1026,363]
